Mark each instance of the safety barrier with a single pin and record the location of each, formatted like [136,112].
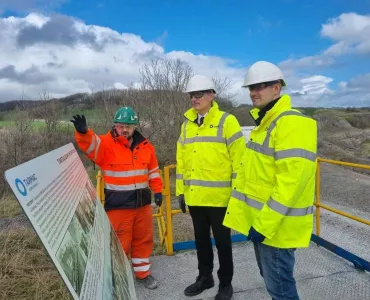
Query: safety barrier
[357,261]
[165,225]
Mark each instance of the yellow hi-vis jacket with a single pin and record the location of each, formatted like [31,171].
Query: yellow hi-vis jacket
[275,184]
[207,157]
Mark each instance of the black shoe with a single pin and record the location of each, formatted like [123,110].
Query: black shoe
[202,283]
[224,292]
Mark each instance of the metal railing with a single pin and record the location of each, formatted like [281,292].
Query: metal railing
[318,191]
[357,261]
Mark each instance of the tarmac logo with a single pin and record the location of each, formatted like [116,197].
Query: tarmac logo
[21,187]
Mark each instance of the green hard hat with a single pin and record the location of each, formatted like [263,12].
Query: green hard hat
[125,115]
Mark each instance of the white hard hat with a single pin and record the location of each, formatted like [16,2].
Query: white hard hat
[263,71]
[200,83]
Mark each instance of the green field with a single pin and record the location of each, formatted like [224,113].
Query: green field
[92,115]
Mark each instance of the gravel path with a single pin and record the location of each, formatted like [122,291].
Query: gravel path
[347,191]
[345,187]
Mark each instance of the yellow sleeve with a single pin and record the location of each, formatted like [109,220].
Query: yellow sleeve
[180,164]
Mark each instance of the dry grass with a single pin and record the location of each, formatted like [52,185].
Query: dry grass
[26,271]
[9,207]
[365,147]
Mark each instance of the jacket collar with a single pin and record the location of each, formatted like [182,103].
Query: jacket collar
[270,110]
[192,114]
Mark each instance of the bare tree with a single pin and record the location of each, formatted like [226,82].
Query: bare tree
[223,86]
[163,102]
[49,113]
[165,75]
[20,134]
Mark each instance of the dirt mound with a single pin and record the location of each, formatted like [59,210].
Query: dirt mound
[344,136]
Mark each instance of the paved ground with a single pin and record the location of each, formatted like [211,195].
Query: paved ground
[319,275]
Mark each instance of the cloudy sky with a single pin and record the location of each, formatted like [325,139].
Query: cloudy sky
[70,46]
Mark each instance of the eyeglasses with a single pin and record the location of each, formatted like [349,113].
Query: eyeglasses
[124,126]
[198,94]
[260,86]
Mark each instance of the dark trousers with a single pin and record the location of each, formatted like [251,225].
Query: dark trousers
[204,218]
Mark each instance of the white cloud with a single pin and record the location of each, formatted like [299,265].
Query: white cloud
[354,93]
[317,61]
[67,56]
[348,26]
[350,35]
[351,32]
[313,85]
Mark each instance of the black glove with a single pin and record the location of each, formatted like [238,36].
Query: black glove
[80,123]
[182,203]
[158,199]
[255,236]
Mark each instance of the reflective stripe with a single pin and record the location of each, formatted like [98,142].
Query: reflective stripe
[207,139]
[184,133]
[234,138]
[233,175]
[204,139]
[142,268]
[208,183]
[153,175]
[260,148]
[125,187]
[289,211]
[97,148]
[181,141]
[265,149]
[139,260]
[92,145]
[221,124]
[152,170]
[251,202]
[295,153]
[179,176]
[125,173]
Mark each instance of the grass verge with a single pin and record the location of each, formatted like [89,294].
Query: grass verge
[9,207]
[26,271]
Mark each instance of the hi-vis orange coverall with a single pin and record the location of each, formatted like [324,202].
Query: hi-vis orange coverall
[128,173]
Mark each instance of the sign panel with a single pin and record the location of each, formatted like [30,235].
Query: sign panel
[61,203]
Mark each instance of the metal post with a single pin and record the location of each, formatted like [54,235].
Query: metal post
[167,193]
[317,202]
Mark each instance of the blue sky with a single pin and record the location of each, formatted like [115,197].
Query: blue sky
[320,45]
[242,30]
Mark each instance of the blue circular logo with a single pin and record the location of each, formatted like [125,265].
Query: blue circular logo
[21,187]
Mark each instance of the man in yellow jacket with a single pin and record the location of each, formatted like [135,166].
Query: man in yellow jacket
[209,151]
[272,201]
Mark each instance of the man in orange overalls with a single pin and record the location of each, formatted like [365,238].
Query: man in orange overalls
[129,166]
